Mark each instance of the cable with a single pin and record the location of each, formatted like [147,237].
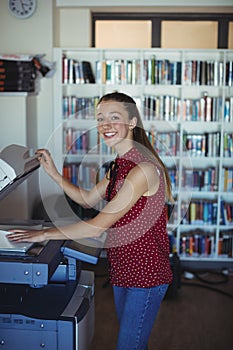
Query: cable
[207,287]
[224,280]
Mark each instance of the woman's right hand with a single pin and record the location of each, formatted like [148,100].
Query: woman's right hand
[47,162]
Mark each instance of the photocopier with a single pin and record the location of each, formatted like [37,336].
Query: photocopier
[46,299]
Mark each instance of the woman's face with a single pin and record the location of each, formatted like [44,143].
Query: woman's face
[113,123]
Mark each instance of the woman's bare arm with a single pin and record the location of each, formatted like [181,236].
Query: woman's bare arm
[140,180]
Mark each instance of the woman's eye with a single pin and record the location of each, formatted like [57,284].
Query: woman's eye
[115,117]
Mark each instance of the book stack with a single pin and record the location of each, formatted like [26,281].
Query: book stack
[81,141]
[201,212]
[85,175]
[119,71]
[202,145]
[163,107]
[197,243]
[17,73]
[77,72]
[200,179]
[165,72]
[79,107]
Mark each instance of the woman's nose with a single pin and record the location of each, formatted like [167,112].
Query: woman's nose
[106,125]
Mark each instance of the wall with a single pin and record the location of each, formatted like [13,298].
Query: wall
[26,120]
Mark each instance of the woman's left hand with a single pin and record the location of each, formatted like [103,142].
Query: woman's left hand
[18,236]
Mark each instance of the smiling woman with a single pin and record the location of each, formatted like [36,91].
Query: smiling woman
[114,125]
[136,189]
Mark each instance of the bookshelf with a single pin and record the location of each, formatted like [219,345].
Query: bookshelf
[186,100]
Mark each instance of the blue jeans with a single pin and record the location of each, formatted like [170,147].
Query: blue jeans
[137,309]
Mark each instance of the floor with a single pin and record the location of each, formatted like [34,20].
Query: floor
[199,317]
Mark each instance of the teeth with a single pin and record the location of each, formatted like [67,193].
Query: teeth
[109,134]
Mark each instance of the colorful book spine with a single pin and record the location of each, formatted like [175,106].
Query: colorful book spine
[165,143]
[205,108]
[197,243]
[164,107]
[85,175]
[210,73]
[201,212]
[200,179]
[202,145]
[162,72]
[76,72]
[118,71]
[77,141]
[79,107]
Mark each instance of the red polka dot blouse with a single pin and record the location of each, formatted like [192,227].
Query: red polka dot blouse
[138,244]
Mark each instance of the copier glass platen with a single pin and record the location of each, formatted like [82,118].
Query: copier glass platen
[46,299]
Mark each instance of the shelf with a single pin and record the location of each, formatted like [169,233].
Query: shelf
[179,106]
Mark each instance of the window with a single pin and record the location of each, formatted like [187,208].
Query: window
[211,30]
[189,34]
[125,33]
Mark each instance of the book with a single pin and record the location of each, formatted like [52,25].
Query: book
[88,72]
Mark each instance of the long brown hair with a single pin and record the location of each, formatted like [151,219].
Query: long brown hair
[139,134]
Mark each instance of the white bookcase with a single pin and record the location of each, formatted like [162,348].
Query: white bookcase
[186,102]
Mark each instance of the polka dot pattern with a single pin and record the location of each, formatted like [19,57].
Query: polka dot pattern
[138,245]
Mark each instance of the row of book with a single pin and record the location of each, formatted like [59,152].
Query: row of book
[163,107]
[121,71]
[206,108]
[79,107]
[85,175]
[81,141]
[210,72]
[200,180]
[200,244]
[17,74]
[76,72]
[196,244]
[227,175]
[202,145]
[165,143]
[161,71]
[200,212]
[171,108]
[154,71]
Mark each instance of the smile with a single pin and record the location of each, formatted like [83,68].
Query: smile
[109,134]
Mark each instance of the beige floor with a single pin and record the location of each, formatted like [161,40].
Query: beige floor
[197,319]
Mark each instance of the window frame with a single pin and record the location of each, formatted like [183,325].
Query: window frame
[223,20]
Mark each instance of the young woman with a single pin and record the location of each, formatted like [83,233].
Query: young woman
[136,188]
